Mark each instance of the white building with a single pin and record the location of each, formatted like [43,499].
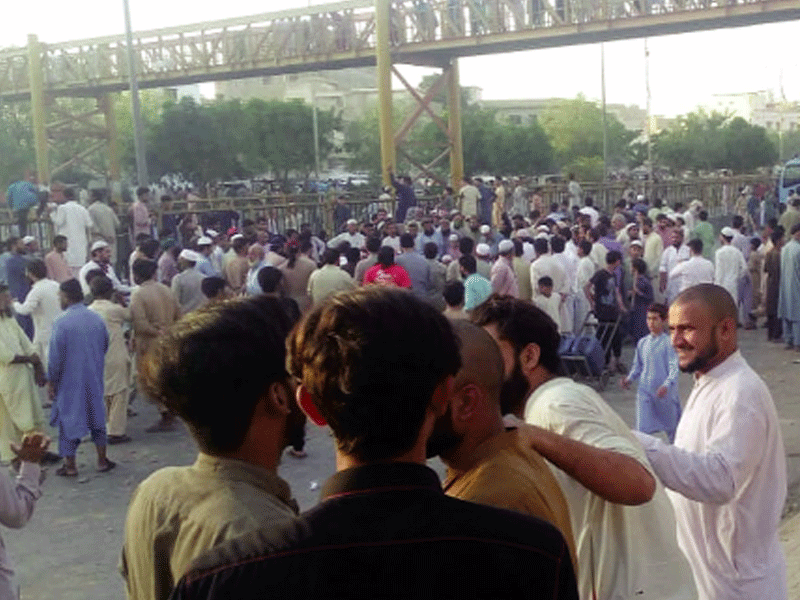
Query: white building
[759,108]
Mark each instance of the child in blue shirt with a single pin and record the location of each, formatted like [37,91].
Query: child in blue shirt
[655,365]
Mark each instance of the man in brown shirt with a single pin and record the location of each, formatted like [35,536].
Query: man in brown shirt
[486,463]
[236,270]
[153,309]
[233,488]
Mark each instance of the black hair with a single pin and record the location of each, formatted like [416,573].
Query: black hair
[212,286]
[341,355]
[454,293]
[522,323]
[231,352]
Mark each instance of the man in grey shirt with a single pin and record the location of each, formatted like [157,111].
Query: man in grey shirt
[186,285]
[417,267]
[106,222]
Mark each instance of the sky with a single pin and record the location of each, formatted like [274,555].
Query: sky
[685,69]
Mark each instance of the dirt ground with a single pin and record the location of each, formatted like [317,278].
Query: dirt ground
[70,549]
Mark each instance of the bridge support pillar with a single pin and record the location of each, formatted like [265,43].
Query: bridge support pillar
[38,109]
[384,68]
[454,126]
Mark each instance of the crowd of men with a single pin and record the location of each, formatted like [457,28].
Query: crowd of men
[469,309]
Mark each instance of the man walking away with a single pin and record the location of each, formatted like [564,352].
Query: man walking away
[78,347]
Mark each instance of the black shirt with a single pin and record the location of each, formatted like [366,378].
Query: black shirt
[388,531]
[605,295]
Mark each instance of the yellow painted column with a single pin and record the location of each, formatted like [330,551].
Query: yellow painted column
[384,64]
[454,124]
[38,109]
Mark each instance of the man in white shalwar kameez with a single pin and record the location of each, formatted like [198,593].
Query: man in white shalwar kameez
[729,264]
[727,468]
[42,304]
[71,220]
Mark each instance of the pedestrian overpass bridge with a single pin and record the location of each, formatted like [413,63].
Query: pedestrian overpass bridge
[352,33]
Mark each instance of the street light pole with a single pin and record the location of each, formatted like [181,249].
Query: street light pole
[648,131]
[136,109]
[605,122]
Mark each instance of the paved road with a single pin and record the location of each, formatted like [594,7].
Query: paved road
[70,550]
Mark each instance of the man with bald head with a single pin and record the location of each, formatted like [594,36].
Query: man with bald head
[488,464]
[727,468]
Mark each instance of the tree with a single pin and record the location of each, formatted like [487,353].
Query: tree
[188,141]
[575,130]
[703,141]
[281,136]
[228,139]
[16,143]
[152,104]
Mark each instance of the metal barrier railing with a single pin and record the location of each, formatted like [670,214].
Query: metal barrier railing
[284,212]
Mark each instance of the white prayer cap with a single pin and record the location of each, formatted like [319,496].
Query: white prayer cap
[205,241]
[640,198]
[630,226]
[352,222]
[483,250]
[237,236]
[505,246]
[189,255]
[485,229]
[728,232]
[98,245]
[447,259]
[453,237]
[543,229]
[211,233]
[542,236]
[637,243]
[29,238]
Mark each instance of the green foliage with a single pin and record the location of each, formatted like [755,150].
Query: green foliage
[790,143]
[575,130]
[279,136]
[151,103]
[228,139]
[703,141]
[490,146]
[16,143]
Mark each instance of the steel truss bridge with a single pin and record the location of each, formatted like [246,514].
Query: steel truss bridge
[382,33]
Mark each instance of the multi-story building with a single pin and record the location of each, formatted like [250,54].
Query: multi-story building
[759,108]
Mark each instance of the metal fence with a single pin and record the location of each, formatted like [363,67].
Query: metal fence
[284,212]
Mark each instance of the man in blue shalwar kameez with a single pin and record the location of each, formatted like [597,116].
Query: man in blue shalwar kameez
[78,347]
[655,365]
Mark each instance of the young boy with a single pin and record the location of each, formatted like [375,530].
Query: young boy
[658,407]
[547,301]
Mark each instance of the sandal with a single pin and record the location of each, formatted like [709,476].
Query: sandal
[63,471]
[110,464]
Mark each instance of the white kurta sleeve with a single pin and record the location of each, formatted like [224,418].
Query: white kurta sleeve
[707,477]
[32,301]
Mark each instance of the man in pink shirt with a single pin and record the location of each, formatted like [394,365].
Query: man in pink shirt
[57,268]
[140,213]
[504,281]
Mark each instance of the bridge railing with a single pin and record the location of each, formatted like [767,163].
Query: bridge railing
[322,36]
[313,34]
